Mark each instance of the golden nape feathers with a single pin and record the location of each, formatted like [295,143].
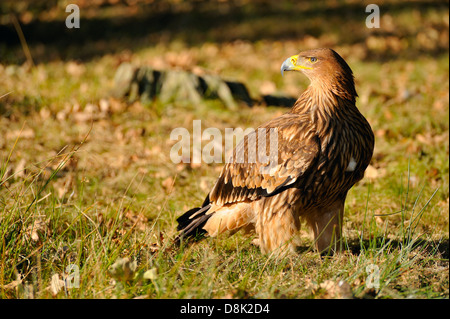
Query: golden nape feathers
[320,149]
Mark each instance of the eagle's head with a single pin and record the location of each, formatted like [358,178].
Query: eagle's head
[326,70]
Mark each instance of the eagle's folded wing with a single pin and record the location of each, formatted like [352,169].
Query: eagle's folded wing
[254,170]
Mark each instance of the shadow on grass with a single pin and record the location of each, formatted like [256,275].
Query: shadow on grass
[356,247]
[197,22]
[430,246]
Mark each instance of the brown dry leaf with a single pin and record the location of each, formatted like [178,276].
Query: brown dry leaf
[90,108]
[45,113]
[82,117]
[138,220]
[204,185]
[413,181]
[123,269]
[433,172]
[19,169]
[388,115]
[100,219]
[13,284]
[155,150]
[56,285]
[162,173]
[339,290]
[104,105]
[267,87]
[311,42]
[380,132]
[184,59]
[375,43]
[35,231]
[427,138]
[371,172]
[167,184]
[379,220]
[116,105]
[27,291]
[75,69]
[195,165]
[158,240]
[181,167]
[26,133]
[439,105]
[422,139]
[63,185]
[154,247]
[150,274]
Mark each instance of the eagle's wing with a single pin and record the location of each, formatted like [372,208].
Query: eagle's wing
[254,170]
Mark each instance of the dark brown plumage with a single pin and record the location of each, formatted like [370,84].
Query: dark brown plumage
[324,146]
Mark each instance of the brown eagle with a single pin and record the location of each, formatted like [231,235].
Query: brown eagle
[324,146]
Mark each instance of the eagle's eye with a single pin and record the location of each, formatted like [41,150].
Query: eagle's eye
[312,59]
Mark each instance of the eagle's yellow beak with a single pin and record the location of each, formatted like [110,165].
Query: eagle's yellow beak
[290,64]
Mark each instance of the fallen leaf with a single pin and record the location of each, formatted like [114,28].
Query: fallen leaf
[123,269]
[13,284]
[75,69]
[332,289]
[204,184]
[104,105]
[267,87]
[371,172]
[154,247]
[63,185]
[167,184]
[19,169]
[138,220]
[25,133]
[150,274]
[56,285]
[37,230]
[195,165]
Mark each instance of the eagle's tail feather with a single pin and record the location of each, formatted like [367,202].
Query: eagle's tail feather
[191,223]
[213,220]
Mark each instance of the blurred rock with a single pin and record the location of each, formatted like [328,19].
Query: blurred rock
[273,100]
[239,91]
[123,79]
[146,84]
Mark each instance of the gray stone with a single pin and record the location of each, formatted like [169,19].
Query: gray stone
[146,84]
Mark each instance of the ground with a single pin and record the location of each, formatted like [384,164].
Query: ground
[87,187]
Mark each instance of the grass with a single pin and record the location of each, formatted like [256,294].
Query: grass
[94,237]
[86,179]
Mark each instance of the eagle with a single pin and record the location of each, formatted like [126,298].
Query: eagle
[324,145]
